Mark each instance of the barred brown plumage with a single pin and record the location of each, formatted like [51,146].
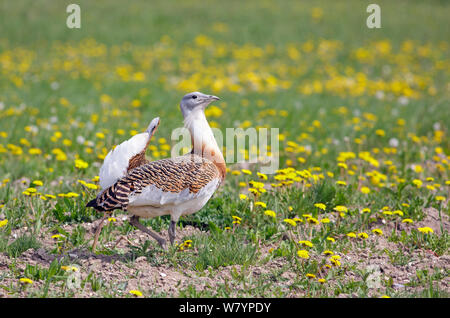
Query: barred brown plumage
[170,175]
[175,186]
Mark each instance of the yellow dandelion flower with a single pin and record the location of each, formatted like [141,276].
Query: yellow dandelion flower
[236,218]
[363,235]
[408,221]
[26,281]
[290,222]
[306,243]
[136,103]
[439,198]
[325,220]
[270,213]
[418,183]
[309,275]
[328,252]
[377,232]
[340,208]
[425,230]
[380,132]
[81,164]
[298,220]
[303,254]
[95,179]
[136,293]
[331,239]
[351,234]
[322,280]
[31,190]
[92,186]
[242,197]
[257,185]
[335,262]
[69,268]
[365,190]
[262,175]
[3,223]
[312,221]
[34,151]
[320,206]
[38,183]
[261,204]
[246,171]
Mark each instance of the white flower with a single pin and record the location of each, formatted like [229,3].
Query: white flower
[54,85]
[393,142]
[379,95]
[403,100]
[81,140]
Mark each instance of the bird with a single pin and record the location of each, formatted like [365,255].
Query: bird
[174,186]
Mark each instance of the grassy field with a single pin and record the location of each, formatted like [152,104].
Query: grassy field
[358,207]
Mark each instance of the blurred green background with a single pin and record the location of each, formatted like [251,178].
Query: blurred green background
[259,22]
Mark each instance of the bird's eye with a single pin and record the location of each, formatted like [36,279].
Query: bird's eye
[194,96]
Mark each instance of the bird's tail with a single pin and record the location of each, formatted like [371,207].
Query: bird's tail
[110,199]
[94,204]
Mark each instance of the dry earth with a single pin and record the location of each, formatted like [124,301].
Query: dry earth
[123,273]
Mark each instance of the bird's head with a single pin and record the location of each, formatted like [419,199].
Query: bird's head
[195,101]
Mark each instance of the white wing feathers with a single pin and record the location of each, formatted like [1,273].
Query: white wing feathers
[116,163]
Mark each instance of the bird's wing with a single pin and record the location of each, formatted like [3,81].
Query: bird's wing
[161,182]
[126,156]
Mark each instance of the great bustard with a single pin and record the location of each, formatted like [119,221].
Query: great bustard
[175,186]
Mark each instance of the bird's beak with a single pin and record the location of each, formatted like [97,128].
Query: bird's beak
[212,98]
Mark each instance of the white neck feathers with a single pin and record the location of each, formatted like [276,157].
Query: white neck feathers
[203,142]
[201,133]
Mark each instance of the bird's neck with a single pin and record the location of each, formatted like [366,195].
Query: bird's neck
[203,142]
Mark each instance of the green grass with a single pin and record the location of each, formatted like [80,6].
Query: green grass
[361,107]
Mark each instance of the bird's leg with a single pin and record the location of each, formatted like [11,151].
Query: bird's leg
[171,231]
[98,230]
[134,220]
